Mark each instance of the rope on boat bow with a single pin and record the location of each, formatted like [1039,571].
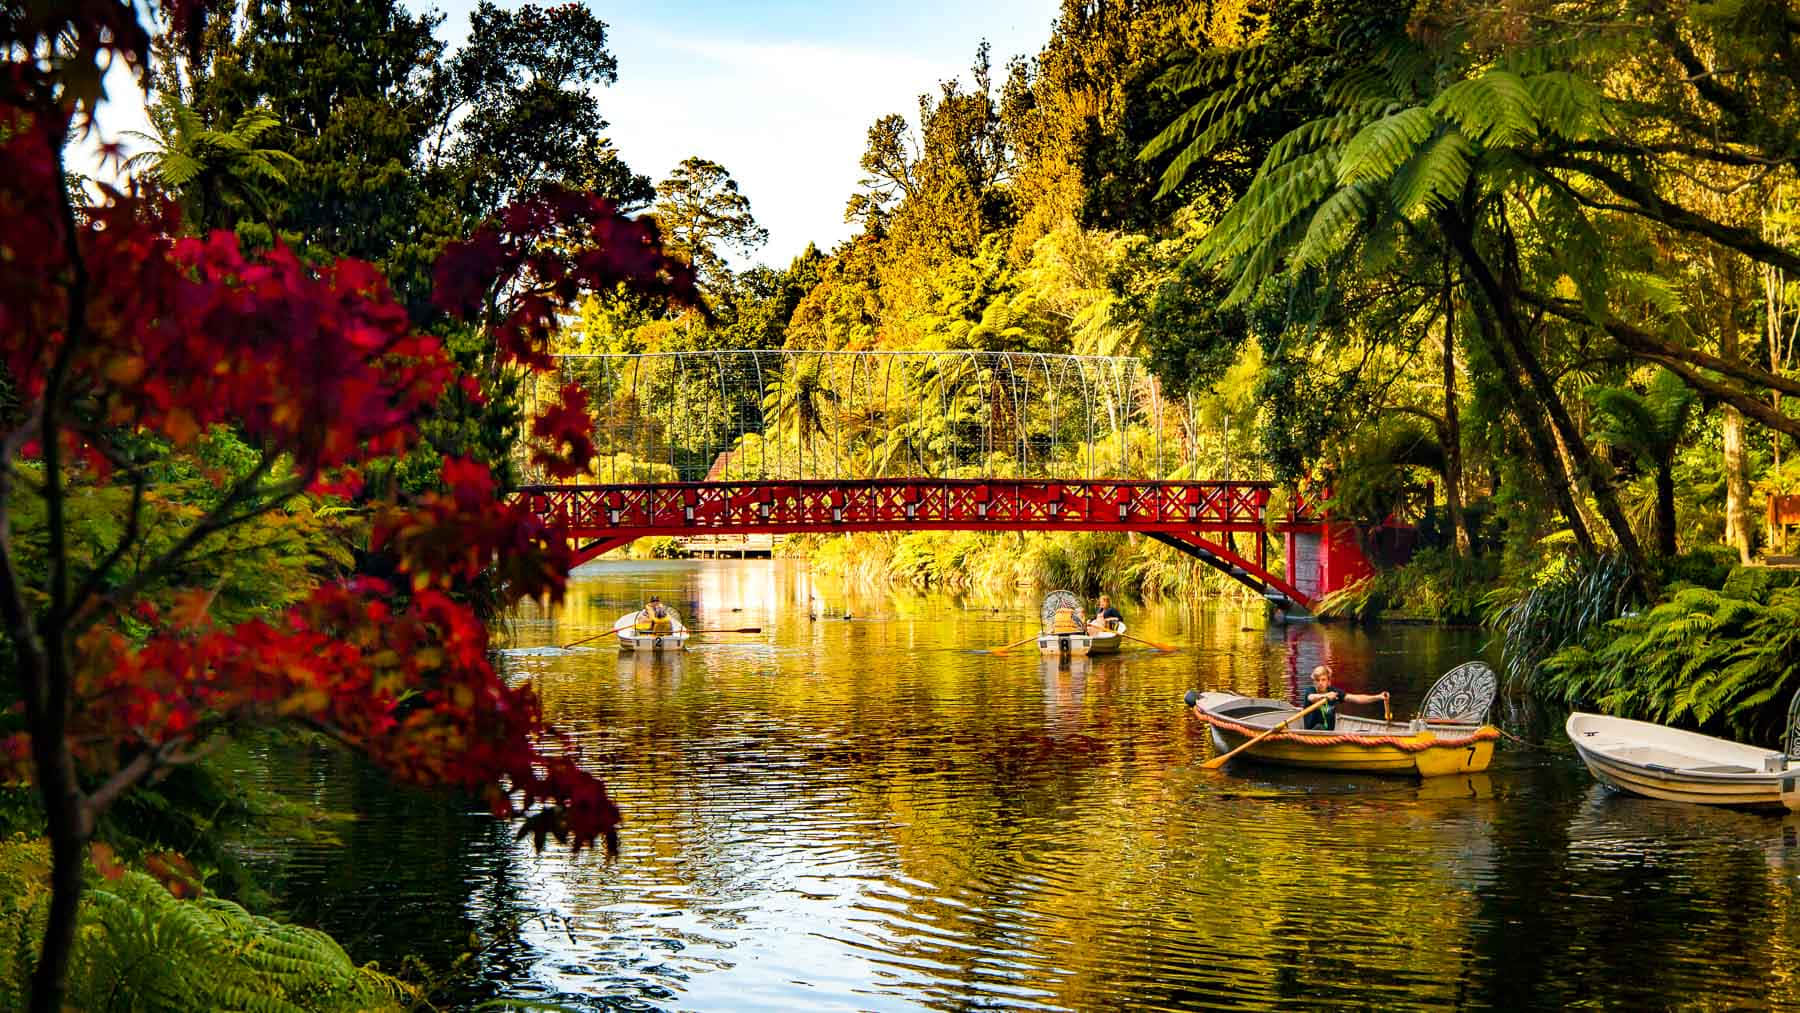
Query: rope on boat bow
[1416,743]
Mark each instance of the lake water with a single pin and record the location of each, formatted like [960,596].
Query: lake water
[865,813]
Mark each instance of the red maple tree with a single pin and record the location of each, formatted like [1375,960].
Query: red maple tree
[114,327]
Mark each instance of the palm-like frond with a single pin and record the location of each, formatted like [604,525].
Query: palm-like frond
[1383,146]
[1436,174]
[1495,109]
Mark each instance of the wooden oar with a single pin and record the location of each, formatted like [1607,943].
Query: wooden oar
[615,629]
[1003,649]
[1141,640]
[1219,761]
[597,636]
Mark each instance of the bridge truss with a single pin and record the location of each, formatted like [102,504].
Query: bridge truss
[790,441]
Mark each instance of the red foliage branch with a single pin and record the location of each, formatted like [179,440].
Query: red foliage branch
[113,325]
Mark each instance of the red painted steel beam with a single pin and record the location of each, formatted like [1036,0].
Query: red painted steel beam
[601,511]
[1182,513]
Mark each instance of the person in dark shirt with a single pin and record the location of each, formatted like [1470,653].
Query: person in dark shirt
[1104,614]
[1321,689]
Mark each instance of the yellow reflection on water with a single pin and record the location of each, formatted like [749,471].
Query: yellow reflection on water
[859,807]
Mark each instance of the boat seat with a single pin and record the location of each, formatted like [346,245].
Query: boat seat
[1653,756]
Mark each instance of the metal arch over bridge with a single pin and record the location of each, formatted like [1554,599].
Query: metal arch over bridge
[794,441]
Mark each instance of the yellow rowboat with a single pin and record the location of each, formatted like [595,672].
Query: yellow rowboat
[1448,737]
[1662,762]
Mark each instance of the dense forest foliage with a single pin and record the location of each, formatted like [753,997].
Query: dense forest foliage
[1517,275]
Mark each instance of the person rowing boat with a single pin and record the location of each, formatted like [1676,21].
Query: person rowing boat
[655,620]
[1106,618]
[1325,718]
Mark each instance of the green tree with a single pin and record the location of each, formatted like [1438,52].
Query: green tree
[1415,154]
[702,213]
[1649,426]
[222,175]
[519,111]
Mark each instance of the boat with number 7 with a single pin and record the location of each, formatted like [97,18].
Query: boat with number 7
[1450,735]
[1667,763]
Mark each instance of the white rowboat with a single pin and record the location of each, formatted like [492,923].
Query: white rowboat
[1106,641]
[638,640]
[1667,763]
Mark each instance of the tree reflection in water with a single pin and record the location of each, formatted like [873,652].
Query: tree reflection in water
[870,814]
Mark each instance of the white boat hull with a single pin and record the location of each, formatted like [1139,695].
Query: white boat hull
[1667,763]
[638,640]
[1106,642]
[1067,645]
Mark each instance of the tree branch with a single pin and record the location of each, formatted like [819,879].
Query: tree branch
[1648,204]
[1647,344]
[216,520]
[97,575]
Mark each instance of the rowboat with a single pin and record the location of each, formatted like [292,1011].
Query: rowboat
[1106,641]
[1667,763]
[638,640]
[1075,644]
[1067,645]
[1449,736]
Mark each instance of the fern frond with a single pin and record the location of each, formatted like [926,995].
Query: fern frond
[1495,109]
[1569,105]
[1334,225]
[1436,176]
[1384,145]
[1272,201]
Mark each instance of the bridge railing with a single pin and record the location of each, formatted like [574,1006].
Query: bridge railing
[802,415]
[850,504]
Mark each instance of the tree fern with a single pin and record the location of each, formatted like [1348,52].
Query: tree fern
[1494,109]
[1435,176]
[1384,146]
[139,948]
[1568,105]
[1334,224]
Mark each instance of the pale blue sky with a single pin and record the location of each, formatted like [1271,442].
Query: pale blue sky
[780,92]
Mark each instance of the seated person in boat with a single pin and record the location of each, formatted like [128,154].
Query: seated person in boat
[1067,620]
[655,619]
[1325,717]
[1105,616]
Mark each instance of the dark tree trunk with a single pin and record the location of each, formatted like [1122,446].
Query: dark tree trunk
[1665,509]
[1538,437]
[1452,436]
[1511,328]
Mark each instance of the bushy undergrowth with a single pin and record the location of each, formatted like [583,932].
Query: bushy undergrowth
[139,948]
[1568,602]
[999,563]
[1436,585]
[1725,660]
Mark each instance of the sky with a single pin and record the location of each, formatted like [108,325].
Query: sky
[780,92]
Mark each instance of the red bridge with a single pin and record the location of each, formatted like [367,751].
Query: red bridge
[1199,518]
[786,441]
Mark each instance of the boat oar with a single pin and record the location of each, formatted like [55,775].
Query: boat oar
[1219,761]
[1141,640]
[615,629]
[597,636]
[1003,649]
